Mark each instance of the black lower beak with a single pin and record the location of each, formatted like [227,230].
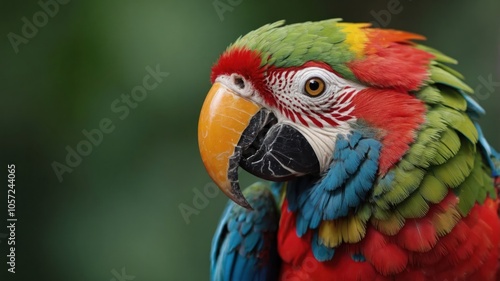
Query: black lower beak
[275,151]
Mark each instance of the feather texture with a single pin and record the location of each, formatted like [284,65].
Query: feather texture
[342,189]
[245,247]
[412,189]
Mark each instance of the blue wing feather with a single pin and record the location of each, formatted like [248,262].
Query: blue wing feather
[320,251]
[474,110]
[340,190]
[244,247]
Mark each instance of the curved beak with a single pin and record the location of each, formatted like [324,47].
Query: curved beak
[223,119]
[235,132]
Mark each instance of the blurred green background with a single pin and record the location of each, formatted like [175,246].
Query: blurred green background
[119,208]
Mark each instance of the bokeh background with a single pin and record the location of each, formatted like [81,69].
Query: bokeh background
[119,208]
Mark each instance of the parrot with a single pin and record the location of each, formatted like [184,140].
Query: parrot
[371,161]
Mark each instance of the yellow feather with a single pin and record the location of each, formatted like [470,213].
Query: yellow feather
[356,37]
[445,221]
[350,229]
[390,226]
[329,234]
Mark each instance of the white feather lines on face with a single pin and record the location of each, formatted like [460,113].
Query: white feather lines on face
[320,119]
[331,108]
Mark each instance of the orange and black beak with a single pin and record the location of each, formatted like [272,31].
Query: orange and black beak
[234,131]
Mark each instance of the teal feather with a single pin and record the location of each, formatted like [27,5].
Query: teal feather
[243,235]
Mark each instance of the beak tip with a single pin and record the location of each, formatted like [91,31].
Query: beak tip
[244,203]
[235,194]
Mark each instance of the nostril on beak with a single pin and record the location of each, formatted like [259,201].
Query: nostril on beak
[239,82]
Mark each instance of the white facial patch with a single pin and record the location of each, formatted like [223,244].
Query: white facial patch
[321,119]
[241,87]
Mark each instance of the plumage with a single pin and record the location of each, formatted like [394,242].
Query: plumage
[390,176]
[441,76]
[244,247]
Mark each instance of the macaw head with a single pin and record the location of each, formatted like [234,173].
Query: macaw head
[283,95]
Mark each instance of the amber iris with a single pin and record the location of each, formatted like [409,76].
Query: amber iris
[314,87]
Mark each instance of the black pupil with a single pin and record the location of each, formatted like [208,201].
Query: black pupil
[313,85]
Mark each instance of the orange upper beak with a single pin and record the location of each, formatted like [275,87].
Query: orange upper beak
[223,118]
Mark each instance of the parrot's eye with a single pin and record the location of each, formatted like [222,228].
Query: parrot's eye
[314,87]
